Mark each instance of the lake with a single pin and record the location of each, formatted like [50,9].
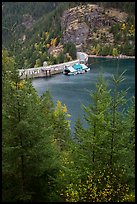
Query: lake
[74,90]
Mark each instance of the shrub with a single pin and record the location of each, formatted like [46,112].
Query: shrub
[102,186]
[71,49]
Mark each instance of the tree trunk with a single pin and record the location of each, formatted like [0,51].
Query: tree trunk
[21,144]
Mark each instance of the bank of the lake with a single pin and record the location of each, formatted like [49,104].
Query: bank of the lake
[74,90]
[112,57]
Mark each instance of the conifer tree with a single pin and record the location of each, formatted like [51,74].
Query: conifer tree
[117,128]
[93,139]
[30,159]
[108,142]
[128,145]
[61,126]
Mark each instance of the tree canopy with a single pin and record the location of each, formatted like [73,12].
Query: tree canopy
[41,162]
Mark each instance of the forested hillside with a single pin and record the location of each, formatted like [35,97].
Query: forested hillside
[41,160]
[53,31]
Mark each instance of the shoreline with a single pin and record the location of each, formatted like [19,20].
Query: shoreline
[112,57]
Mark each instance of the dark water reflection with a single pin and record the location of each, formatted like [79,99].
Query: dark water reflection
[74,90]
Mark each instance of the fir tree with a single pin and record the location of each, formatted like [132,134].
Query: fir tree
[93,139]
[30,158]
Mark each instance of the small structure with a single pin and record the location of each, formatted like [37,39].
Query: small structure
[45,64]
[83,57]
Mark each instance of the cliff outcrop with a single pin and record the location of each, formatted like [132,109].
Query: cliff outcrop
[82,25]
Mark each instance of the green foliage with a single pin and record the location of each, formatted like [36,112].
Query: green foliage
[106,50]
[42,162]
[27,145]
[61,126]
[46,18]
[60,58]
[93,140]
[71,49]
[124,32]
[115,28]
[12,15]
[97,50]
[102,186]
[38,63]
[30,159]
[115,52]
[106,141]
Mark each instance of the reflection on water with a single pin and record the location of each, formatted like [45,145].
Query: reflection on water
[74,90]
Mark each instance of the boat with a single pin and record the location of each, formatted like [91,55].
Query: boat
[76,69]
[85,68]
[69,70]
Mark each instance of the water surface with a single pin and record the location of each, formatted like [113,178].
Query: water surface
[74,90]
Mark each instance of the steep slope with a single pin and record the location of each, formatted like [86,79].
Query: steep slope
[19,17]
[89,25]
[39,31]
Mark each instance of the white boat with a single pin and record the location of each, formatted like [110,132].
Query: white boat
[69,71]
[85,68]
[76,69]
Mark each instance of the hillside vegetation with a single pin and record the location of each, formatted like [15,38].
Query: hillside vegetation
[52,31]
[43,162]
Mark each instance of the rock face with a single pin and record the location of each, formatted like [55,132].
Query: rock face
[76,33]
[79,24]
[75,29]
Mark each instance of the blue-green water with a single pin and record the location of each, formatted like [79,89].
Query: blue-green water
[74,90]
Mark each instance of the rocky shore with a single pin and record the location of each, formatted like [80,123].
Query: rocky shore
[109,56]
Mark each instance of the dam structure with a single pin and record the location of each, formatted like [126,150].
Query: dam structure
[50,70]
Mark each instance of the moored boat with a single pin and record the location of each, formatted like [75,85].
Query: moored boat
[85,68]
[69,71]
[76,69]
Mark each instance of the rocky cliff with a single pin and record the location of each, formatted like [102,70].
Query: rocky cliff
[82,25]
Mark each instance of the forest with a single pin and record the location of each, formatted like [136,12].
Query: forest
[42,162]
[45,32]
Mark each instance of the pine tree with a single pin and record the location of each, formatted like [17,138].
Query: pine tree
[61,126]
[93,139]
[129,145]
[30,159]
[108,142]
[117,128]
[107,145]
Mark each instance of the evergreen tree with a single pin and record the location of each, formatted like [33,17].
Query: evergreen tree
[117,127]
[101,162]
[30,158]
[71,49]
[128,145]
[61,126]
[108,142]
[92,141]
